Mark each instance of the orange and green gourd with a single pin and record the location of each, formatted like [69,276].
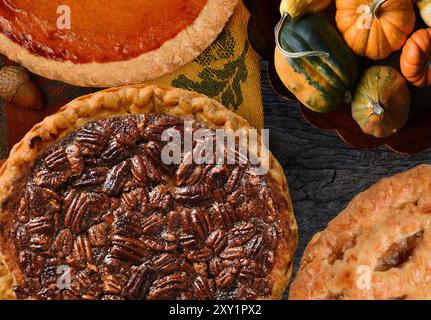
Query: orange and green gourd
[298,8]
[382,100]
[314,63]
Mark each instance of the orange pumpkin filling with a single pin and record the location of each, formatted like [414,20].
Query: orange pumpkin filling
[100,31]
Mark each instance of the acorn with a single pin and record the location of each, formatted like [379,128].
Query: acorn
[17,88]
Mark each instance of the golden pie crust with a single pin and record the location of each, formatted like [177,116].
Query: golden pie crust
[174,53]
[137,99]
[378,248]
[6,283]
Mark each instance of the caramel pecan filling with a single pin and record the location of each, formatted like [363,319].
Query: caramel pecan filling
[127,226]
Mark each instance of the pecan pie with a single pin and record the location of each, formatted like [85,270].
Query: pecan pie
[379,247]
[111,42]
[86,191]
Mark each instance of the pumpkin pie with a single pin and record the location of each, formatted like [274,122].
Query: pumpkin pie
[90,210]
[378,248]
[107,43]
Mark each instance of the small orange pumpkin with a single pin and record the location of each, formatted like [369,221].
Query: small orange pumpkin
[416,58]
[375,28]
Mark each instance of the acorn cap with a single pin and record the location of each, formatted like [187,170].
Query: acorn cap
[11,79]
[17,88]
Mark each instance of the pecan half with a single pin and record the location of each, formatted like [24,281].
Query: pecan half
[160,245]
[254,246]
[116,178]
[158,124]
[74,157]
[241,233]
[217,240]
[216,266]
[217,177]
[195,176]
[153,224]
[91,177]
[39,225]
[48,179]
[185,169]
[127,249]
[199,255]
[84,285]
[125,131]
[82,249]
[139,170]
[234,178]
[113,284]
[40,243]
[57,160]
[127,223]
[63,243]
[31,263]
[188,241]
[224,215]
[37,202]
[248,270]
[204,288]
[231,253]
[192,194]
[139,283]
[168,287]
[226,278]
[201,223]
[153,151]
[92,139]
[160,198]
[136,199]
[98,234]
[166,262]
[114,152]
[83,210]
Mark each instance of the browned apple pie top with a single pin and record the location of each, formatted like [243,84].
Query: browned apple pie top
[102,203]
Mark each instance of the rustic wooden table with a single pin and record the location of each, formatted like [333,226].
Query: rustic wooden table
[323,173]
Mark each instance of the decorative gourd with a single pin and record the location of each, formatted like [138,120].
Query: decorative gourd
[416,58]
[382,101]
[314,63]
[298,8]
[425,10]
[375,28]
